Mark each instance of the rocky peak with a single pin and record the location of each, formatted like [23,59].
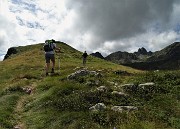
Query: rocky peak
[97,54]
[142,51]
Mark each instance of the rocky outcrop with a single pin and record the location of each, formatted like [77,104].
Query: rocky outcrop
[143,88]
[80,73]
[10,52]
[143,51]
[98,55]
[98,107]
[119,94]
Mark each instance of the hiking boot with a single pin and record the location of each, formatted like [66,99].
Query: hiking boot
[52,70]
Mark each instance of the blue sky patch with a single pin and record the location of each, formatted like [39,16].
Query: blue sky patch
[25,5]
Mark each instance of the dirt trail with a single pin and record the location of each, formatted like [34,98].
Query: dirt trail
[20,107]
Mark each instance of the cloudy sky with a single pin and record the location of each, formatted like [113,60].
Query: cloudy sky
[93,25]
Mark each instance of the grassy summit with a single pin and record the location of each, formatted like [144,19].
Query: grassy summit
[58,103]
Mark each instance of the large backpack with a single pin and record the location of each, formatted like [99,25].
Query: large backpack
[48,46]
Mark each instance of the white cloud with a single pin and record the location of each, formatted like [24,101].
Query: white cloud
[96,25]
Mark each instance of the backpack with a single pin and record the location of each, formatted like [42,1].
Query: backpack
[48,46]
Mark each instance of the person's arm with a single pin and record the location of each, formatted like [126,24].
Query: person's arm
[57,49]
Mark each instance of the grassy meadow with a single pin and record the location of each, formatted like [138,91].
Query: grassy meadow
[59,103]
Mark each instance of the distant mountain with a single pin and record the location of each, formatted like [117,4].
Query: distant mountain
[125,57]
[97,54]
[167,58]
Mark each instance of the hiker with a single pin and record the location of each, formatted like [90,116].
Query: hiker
[49,48]
[84,56]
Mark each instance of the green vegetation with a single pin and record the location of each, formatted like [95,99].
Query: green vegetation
[59,103]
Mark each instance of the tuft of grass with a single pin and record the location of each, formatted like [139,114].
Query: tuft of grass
[8,103]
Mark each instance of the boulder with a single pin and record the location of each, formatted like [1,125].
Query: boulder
[129,87]
[120,94]
[117,109]
[79,73]
[98,107]
[148,87]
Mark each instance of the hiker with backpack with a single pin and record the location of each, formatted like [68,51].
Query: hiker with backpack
[49,47]
[84,57]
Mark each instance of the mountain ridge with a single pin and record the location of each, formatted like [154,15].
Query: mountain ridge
[167,58]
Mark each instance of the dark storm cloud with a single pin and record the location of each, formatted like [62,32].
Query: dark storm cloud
[113,20]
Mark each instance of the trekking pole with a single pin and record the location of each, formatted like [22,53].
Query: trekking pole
[59,62]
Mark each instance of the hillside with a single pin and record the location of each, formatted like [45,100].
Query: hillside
[103,95]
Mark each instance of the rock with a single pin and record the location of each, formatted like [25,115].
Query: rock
[113,83]
[93,83]
[98,107]
[27,90]
[10,51]
[77,68]
[120,94]
[147,86]
[129,87]
[79,73]
[123,108]
[17,127]
[92,72]
[102,89]
[117,109]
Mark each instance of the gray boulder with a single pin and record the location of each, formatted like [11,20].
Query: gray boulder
[98,107]
[79,73]
[147,85]
[120,94]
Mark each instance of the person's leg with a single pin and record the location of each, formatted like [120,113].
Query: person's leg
[84,61]
[47,63]
[47,68]
[53,63]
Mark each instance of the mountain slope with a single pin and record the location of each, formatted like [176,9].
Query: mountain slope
[102,96]
[25,70]
[167,58]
